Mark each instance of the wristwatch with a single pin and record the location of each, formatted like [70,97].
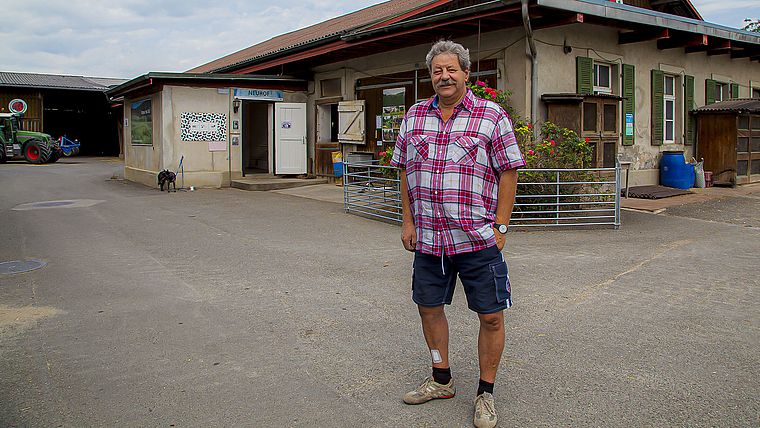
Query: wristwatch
[502,228]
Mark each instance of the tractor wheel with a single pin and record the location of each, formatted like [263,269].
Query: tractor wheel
[3,158]
[55,155]
[35,151]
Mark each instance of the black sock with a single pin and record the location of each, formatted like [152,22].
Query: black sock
[442,376]
[484,386]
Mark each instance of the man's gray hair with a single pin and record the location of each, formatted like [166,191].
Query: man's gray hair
[449,47]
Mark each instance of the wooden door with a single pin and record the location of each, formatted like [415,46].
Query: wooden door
[290,138]
[599,123]
[748,149]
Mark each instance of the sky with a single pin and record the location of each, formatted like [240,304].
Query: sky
[128,38]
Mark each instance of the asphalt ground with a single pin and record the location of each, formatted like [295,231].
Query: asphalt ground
[232,308]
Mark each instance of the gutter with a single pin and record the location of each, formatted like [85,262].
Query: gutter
[637,15]
[534,66]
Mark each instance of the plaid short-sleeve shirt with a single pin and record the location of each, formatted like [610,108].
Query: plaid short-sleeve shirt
[452,170]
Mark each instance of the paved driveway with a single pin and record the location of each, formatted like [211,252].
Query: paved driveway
[234,308]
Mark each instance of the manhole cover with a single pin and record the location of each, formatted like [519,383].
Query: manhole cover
[20,266]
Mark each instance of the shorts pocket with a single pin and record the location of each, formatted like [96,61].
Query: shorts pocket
[501,281]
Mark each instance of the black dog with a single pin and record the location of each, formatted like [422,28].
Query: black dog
[169,178]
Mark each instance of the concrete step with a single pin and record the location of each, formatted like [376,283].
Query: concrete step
[274,183]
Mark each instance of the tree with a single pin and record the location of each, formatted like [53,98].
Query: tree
[752,25]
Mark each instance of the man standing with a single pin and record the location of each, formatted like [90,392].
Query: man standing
[458,158]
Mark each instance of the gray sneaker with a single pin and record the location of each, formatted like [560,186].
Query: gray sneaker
[485,411]
[428,390]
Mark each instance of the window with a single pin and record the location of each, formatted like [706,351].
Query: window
[669,102]
[721,92]
[330,88]
[755,92]
[602,81]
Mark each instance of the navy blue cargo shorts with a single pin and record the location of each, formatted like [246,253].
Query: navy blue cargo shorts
[483,274]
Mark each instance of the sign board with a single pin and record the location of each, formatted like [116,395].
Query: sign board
[17,106]
[258,94]
[629,124]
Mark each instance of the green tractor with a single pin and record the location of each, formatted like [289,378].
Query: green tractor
[35,147]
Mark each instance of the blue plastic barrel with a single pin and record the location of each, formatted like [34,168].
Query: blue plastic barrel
[675,172]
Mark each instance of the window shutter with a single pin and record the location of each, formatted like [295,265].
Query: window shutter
[629,103]
[351,122]
[585,75]
[734,90]
[658,83]
[688,103]
[709,91]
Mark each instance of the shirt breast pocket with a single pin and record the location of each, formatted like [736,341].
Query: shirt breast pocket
[418,149]
[465,151]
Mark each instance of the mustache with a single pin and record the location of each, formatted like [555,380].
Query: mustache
[447,82]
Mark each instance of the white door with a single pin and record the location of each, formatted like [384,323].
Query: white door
[290,138]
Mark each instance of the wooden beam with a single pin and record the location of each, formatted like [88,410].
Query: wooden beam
[555,21]
[744,53]
[642,36]
[714,45]
[682,42]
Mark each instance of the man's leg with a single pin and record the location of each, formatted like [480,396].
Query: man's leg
[435,327]
[490,344]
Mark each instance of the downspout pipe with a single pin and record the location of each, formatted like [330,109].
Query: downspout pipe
[534,67]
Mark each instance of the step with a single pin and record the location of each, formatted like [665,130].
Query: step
[265,184]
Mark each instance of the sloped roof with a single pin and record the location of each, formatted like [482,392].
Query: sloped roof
[739,105]
[55,81]
[322,30]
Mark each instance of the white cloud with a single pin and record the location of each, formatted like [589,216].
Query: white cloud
[127,38]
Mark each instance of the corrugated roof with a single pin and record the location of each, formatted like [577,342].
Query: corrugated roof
[55,81]
[323,30]
[739,105]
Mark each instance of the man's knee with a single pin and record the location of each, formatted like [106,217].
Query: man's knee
[492,322]
[430,312]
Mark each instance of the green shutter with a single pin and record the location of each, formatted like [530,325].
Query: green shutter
[585,75]
[658,83]
[709,91]
[734,90]
[629,101]
[688,102]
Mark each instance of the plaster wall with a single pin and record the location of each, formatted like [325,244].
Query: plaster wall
[202,167]
[557,74]
[139,160]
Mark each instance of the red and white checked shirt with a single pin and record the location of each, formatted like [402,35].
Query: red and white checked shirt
[452,171]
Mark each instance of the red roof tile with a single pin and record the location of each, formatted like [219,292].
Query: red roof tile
[322,30]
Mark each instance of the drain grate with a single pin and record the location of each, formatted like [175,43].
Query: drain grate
[20,266]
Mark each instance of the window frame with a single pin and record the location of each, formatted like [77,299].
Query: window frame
[722,88]
[602,89]
[671,98]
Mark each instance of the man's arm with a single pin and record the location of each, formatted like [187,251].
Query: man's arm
[408,233]
[505,202]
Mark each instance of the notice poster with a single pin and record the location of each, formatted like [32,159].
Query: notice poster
[394,107]
[210,127]
[142,123]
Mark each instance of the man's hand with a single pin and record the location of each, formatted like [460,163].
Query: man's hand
[501,239]
[409,236]
[408,233]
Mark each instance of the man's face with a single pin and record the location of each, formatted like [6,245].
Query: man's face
[449,80]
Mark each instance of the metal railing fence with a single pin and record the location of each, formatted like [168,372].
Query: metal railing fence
[546,197]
